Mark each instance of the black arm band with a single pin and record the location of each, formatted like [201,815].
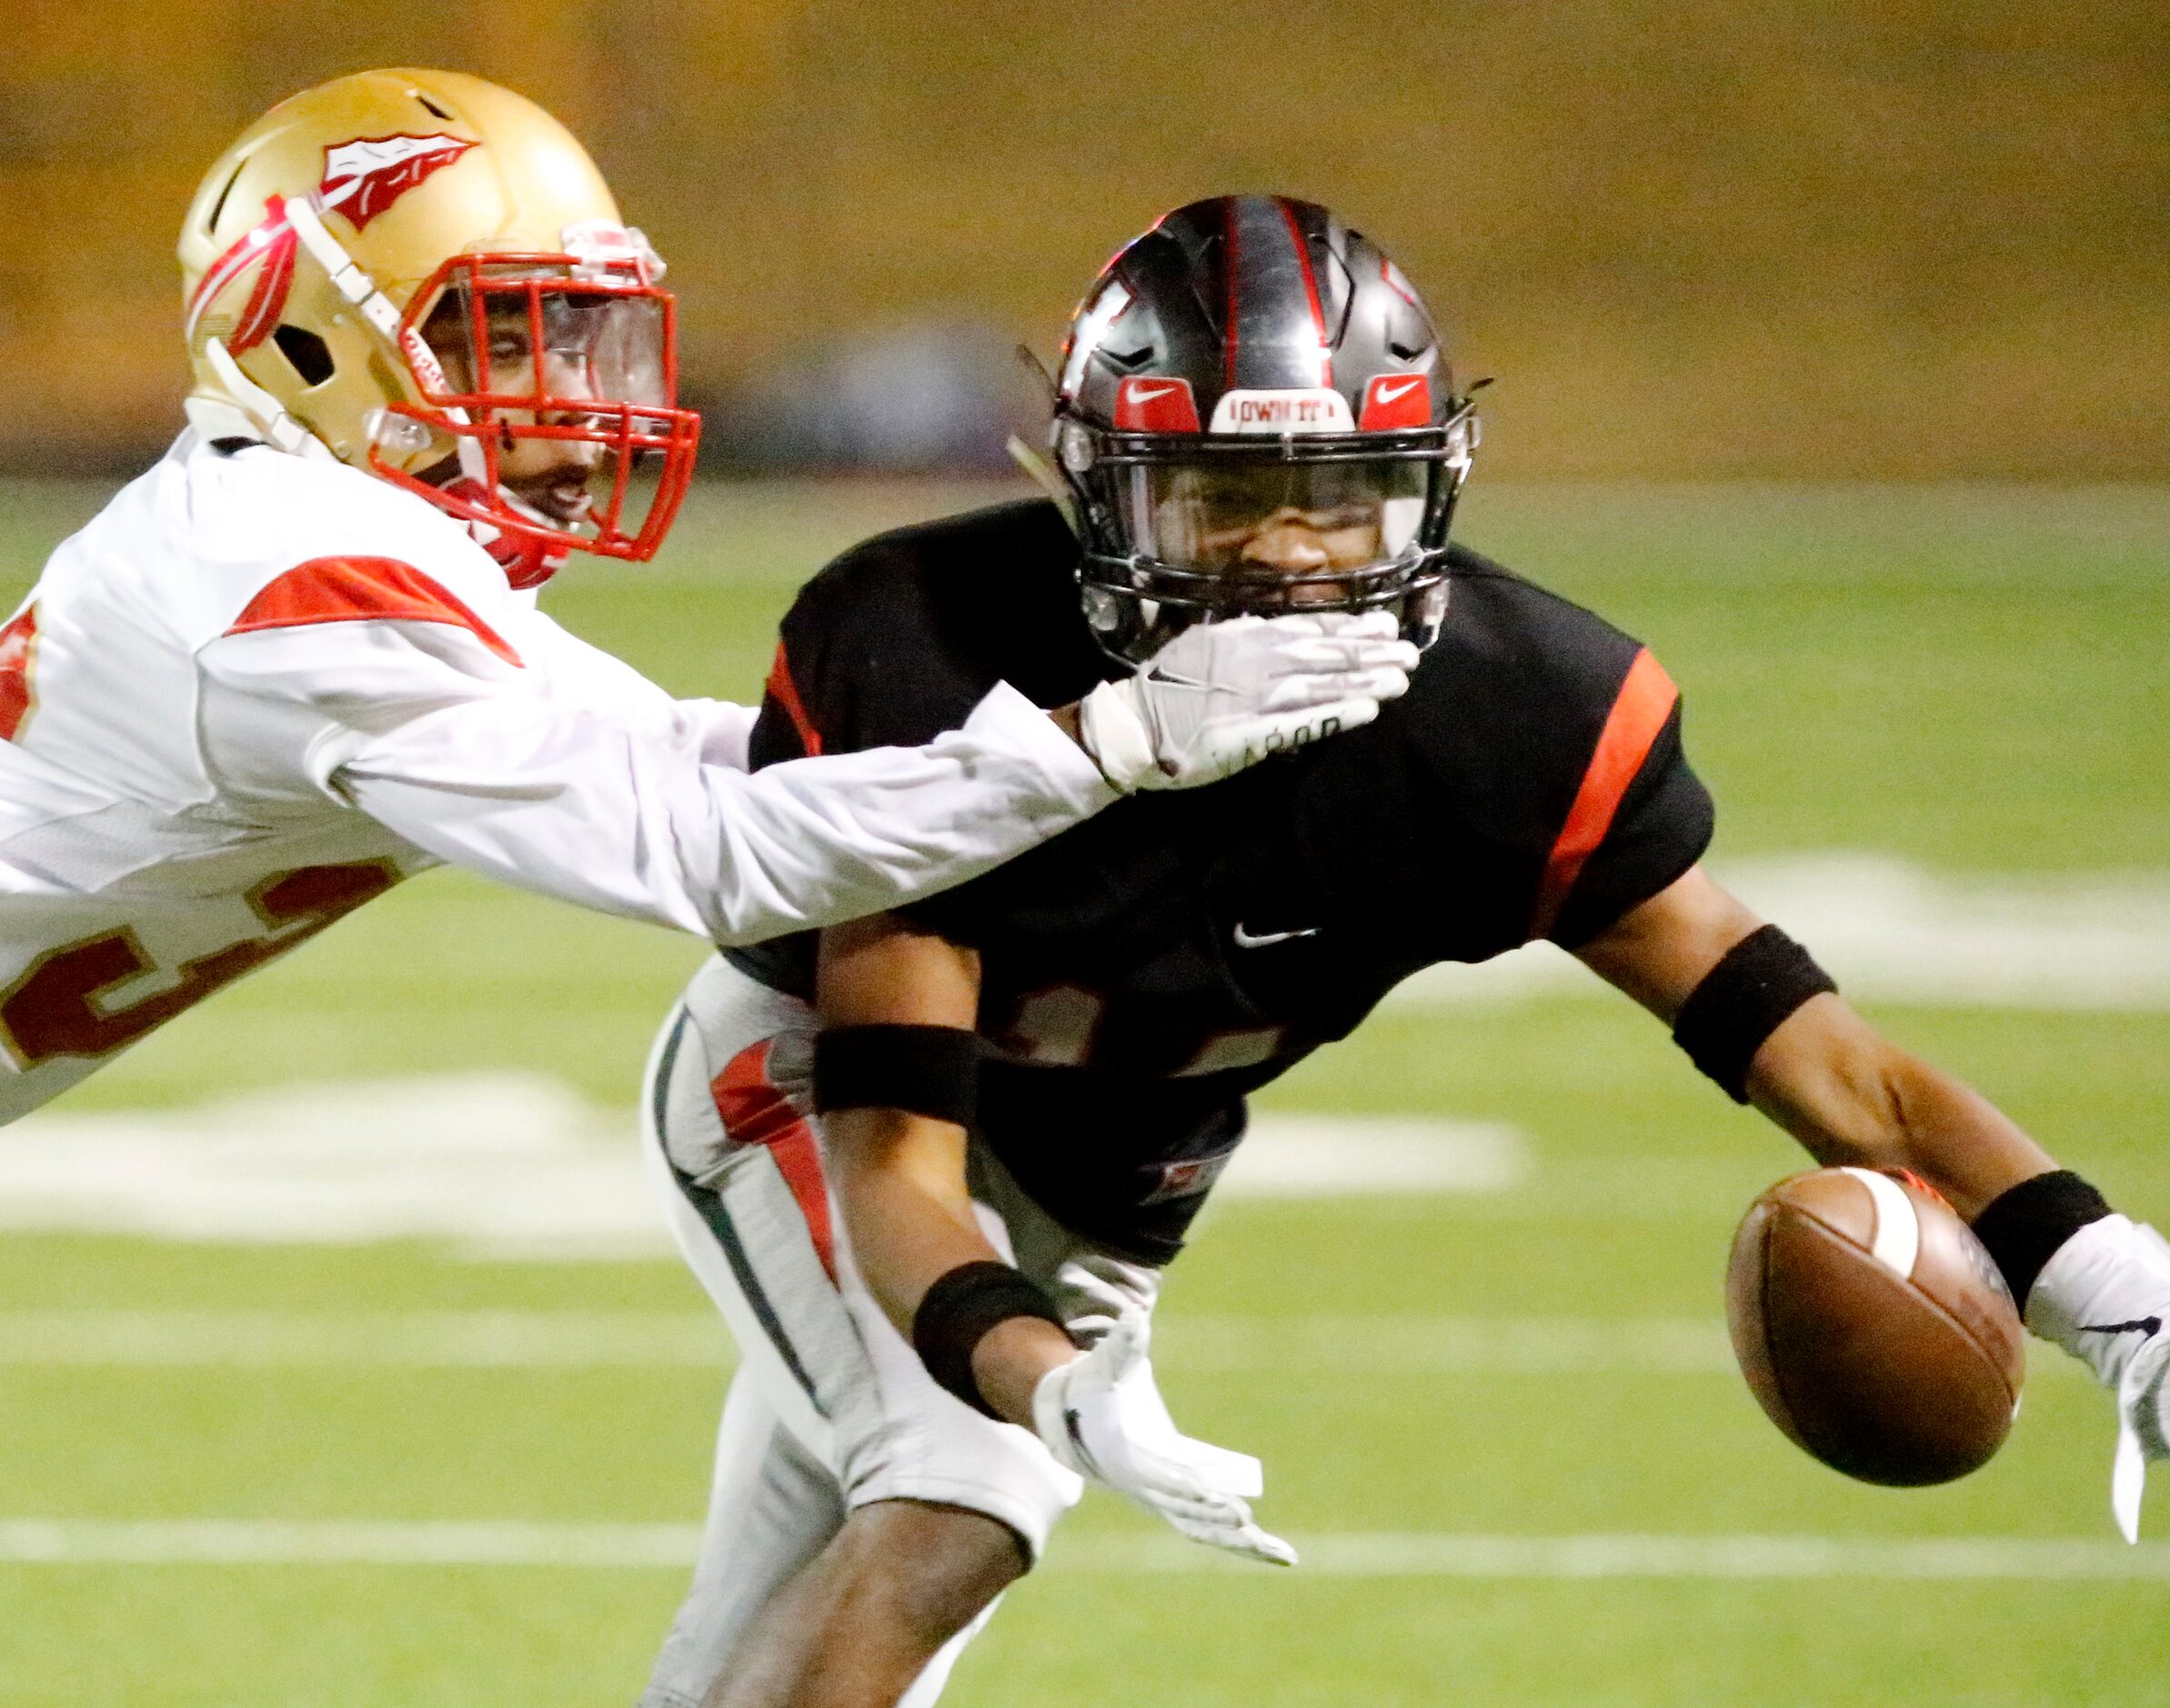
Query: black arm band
[956,1313]
[930,1070]
[2024,1226]
[1741,1000]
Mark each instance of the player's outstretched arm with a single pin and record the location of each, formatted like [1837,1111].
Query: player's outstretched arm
[894,1069]
[1755,1013]
[1825,1074]
[489,760]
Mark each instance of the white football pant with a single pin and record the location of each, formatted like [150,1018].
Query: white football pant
[831,1408]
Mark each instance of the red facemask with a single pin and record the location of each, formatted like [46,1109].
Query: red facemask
[558,369]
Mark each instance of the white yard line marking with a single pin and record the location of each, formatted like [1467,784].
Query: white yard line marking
[1400,1554]
[258,1541]
[1893,931]
[517,1165]
[452,1340]
[1420,1554]
[1436,1345]
[567,1340]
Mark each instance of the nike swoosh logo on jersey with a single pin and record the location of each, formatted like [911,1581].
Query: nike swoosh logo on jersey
[1388,393]
[1157,674]
[2146,1328]
[1265,939]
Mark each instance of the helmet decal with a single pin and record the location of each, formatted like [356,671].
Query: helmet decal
[366,176]
[1155,406]
[1294,409]
[1398,282]
[1396,400]
[1311,291]
[1266,260]
[271,247]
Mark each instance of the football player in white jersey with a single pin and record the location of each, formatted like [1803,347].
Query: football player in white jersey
[301,659]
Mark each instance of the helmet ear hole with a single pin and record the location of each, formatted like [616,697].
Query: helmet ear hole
[305,352]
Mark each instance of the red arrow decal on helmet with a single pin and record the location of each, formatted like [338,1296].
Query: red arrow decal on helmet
[268,301]
[365,176]
[269,244]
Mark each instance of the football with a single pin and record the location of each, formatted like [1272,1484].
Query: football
[1873,1326]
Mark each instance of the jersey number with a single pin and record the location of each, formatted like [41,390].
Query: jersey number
[1058,1027]
[55,1008]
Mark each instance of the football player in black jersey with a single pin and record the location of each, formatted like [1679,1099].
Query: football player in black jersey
[921,1162]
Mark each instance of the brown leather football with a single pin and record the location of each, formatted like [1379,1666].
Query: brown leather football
[1873,1328]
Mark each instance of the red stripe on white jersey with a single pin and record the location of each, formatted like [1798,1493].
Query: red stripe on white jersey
[18,654]
[755,1112]
[1639,712]
[362,591]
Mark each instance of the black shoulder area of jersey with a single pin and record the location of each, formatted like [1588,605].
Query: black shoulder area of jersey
[898,639]
[1531,783]
[1561,736]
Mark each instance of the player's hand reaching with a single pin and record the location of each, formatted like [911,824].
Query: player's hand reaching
[2143,1428]
[1102,1416]
[1222,696]
[2105,1298]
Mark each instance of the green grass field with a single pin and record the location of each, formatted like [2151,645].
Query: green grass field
[1971,679]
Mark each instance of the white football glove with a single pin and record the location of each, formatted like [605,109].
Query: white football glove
[1102,1417]
[2105,1298]
[1222,696]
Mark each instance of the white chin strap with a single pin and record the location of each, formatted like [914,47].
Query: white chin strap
[348,278]
[265,413]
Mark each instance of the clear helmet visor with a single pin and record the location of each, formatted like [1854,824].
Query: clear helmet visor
[551,339]
[1308,524]
[559,388]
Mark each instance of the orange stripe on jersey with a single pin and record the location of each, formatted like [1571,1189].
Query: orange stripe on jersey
[785,692]
[1639,712]
[362,591]
[18,653]
[754,1112]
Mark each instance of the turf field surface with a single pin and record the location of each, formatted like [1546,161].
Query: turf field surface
[1500,1423]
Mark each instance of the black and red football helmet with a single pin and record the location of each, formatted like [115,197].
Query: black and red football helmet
[1255,416]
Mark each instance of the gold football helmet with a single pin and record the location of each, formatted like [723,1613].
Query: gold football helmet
[423,274]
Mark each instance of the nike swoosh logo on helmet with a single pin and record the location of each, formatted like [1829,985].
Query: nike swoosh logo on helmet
[1387,393]
[1142,393]
[1265,939]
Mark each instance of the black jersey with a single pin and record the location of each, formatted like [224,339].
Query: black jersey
[1142,974]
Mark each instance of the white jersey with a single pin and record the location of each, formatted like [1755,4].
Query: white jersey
[259,691]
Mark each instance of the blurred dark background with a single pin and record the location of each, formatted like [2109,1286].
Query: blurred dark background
[1793,238]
